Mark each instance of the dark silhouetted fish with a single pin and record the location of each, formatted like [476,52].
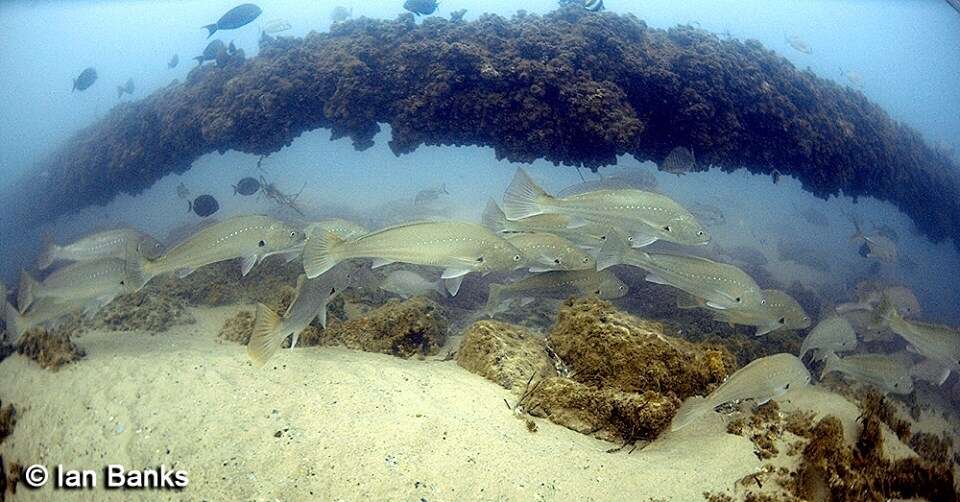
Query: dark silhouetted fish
[174,61]
[955,4]
[204,206]
[421,7]
[457,15]
[246,186]
[214,49]
[814,217]
[85,80]
[803,254]
[127,88]
[430,194]
[236,17]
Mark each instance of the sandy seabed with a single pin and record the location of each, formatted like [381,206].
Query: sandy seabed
[331,424]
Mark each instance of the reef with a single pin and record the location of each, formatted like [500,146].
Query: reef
[401,328]
[152,310]
[572,87]
[221,284]
[238,328]
[505,354]
[620,377]
[51,349]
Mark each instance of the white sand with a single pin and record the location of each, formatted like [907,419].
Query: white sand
[356,426]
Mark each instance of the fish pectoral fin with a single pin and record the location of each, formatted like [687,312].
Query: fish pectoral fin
[763,330]
[527,300]
[642,240]
[381,262]
[290,256]
[453,284]
[540,269]
[247,264]
[577,222]
[656,279]
[716,306]
[183,272]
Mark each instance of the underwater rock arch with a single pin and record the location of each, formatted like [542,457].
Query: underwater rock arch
[570,87]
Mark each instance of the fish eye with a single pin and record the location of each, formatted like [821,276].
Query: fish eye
[786,387]
[333,290]
[261,244]
[782,320]
[597,292]
[586,260]
[516,257]
[293,234]
[123,283]
[700,232]
[480,259]
[737,299]
[603,237]
[667,228]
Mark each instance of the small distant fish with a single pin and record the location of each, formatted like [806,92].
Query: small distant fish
[933,341]
[646,216]
[814,217]
[276,26]
[804,254]
[251,238]
[720,285]
[874,245]
[593,5]
[214,49]
[309,303]
[182,191]
[460,248]
[203,206]
[558,285]
[887,231]
[679,161]
[779,311]
[120,243]
[236,17]
[247,186]
[870,295]
[126,88]
[833,334]
[174,61]
[854,77]
[930,371]
[421,7]
[744,254]
[457,15]
[775,176]
[882,371]
[430,194]
[340,14]
[798,44]
[763,379]
[85,80]
[408,284]
[93,283]
[545,252]
[708,214]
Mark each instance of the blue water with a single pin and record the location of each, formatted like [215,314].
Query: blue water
[903,50]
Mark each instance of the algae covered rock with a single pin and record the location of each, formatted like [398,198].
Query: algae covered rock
[149,310]
[50,349]
[604,347]
[504,353]
[238,328]
[400,328]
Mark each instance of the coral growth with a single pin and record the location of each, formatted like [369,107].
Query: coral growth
[505,354]
[50,349]
[238,328]
[570,87]
[221,284]
[404,329]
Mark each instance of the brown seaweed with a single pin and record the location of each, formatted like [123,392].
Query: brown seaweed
[571,87]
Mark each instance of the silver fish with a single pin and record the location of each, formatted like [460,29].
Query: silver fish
[251,238]
[558,285]
[458,247]
[109,244]
[721,286]
[94,282]
[309,303]
[833,334]
[798,44]
[779,311]
[590,236]
[276,26]
[545,252]
[408,284]
[761,380]
[647,216]
[880,370]
[933,341]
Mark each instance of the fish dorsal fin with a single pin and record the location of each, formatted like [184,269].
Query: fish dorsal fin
[642,240]
[183,272]
[247,264]
[656,279]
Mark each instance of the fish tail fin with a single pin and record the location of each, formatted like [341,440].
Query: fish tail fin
[235,192]
[494,218]
[74,85]
[25,294]
[493,299]
[523,197]
[611,253]
[886,312]
[320,254]
[14,320]
[49,253]
[212,28]
[267,336]
[189,206]
[691,409]
[831,363]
